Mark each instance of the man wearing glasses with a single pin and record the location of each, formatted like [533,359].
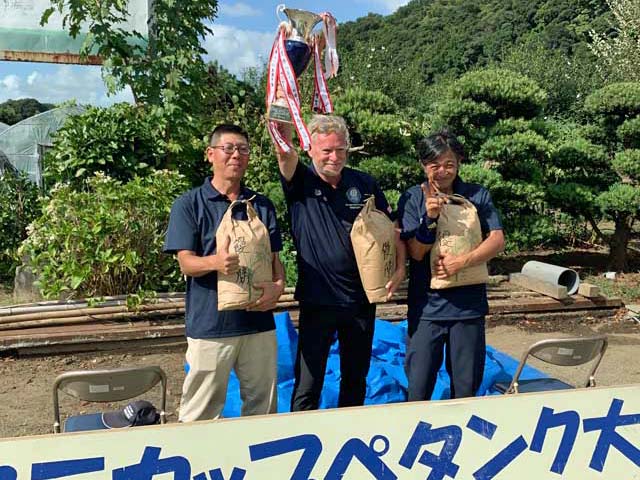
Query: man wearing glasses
[243,340]
[324,199]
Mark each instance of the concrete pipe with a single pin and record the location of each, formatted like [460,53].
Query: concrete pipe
[554,274]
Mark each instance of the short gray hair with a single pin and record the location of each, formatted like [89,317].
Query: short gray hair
[326,124]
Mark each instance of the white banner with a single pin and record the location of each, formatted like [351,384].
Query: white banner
[576,434]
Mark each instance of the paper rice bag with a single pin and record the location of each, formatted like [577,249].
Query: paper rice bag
[458,232]
[250,241]
[373,240]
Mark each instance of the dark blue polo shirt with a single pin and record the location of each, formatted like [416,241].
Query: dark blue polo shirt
[458,303]
[321,220]
[194,220]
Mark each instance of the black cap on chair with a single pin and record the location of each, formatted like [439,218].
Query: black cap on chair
[134,414]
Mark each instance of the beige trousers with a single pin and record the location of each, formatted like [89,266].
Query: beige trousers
[254,359]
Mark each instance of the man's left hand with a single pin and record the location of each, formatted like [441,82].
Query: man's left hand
[393,284]
[448,265]
[271,292]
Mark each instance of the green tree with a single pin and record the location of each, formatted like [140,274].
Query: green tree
[616,111]
[497,114]
[618,51]
[14,111]
[567,79]
[165,72]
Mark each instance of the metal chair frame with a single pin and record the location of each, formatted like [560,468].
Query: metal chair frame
[566,352]
[108,385]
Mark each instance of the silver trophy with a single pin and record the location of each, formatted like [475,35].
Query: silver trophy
[299,39]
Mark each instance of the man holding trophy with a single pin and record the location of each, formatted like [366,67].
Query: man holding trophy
[323,200]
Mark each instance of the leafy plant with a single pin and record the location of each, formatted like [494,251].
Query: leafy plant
[106,239]
[121,141]
[18,208]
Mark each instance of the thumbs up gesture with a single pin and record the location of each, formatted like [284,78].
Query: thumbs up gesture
[225,262]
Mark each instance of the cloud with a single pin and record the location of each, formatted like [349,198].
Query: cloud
[238,9]
[10,82]
[62,83]
[389,6]
[31,79]
[237,49]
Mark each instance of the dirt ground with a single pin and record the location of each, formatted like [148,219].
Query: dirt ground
[26,393]
[26,386]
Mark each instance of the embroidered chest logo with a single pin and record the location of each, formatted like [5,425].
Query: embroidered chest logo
[354,195]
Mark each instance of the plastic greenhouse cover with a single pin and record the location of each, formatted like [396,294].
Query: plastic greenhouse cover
[20,142]
[3,126]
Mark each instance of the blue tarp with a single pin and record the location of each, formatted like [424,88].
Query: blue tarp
[386,382]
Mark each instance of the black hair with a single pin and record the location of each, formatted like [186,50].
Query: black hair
[433,146]
[223,128]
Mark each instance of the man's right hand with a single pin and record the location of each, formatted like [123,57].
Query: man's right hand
[225,262]
[433,202]
[286,132]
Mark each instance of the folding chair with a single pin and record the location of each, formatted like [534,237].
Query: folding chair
[111,385]
[565,352]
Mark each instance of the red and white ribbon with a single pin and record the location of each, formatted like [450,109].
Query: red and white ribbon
[281,74]
[321,98]
[331,60]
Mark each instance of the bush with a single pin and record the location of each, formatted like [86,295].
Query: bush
[528,232]
[122,141]
[18,208]
[619,200]
[463,114]
[621,100]
[627,164]
[520,155]
[509,93]
[374,122]
[393,173]
[629,133]
[107,239]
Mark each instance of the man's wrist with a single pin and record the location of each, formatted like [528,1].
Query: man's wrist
[279,282]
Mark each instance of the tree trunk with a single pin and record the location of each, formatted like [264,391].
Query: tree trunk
[618,245]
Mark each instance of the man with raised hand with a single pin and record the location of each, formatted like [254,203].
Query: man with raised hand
[218,341]
[323,200]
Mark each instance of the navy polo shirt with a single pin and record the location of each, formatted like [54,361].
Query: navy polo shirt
[195,217]
[321,220]
[458,303]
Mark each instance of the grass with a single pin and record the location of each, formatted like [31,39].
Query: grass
[6,294]
[626,286]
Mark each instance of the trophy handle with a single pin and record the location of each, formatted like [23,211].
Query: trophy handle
[279,11]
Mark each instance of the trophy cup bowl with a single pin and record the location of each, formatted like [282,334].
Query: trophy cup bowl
[298,31]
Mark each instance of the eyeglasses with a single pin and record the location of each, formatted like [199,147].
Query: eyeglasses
[229,148]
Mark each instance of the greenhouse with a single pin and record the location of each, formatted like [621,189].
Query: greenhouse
[3,126]
[25,143]
[5,166]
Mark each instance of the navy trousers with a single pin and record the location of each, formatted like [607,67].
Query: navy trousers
[465,346]
[317,329]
